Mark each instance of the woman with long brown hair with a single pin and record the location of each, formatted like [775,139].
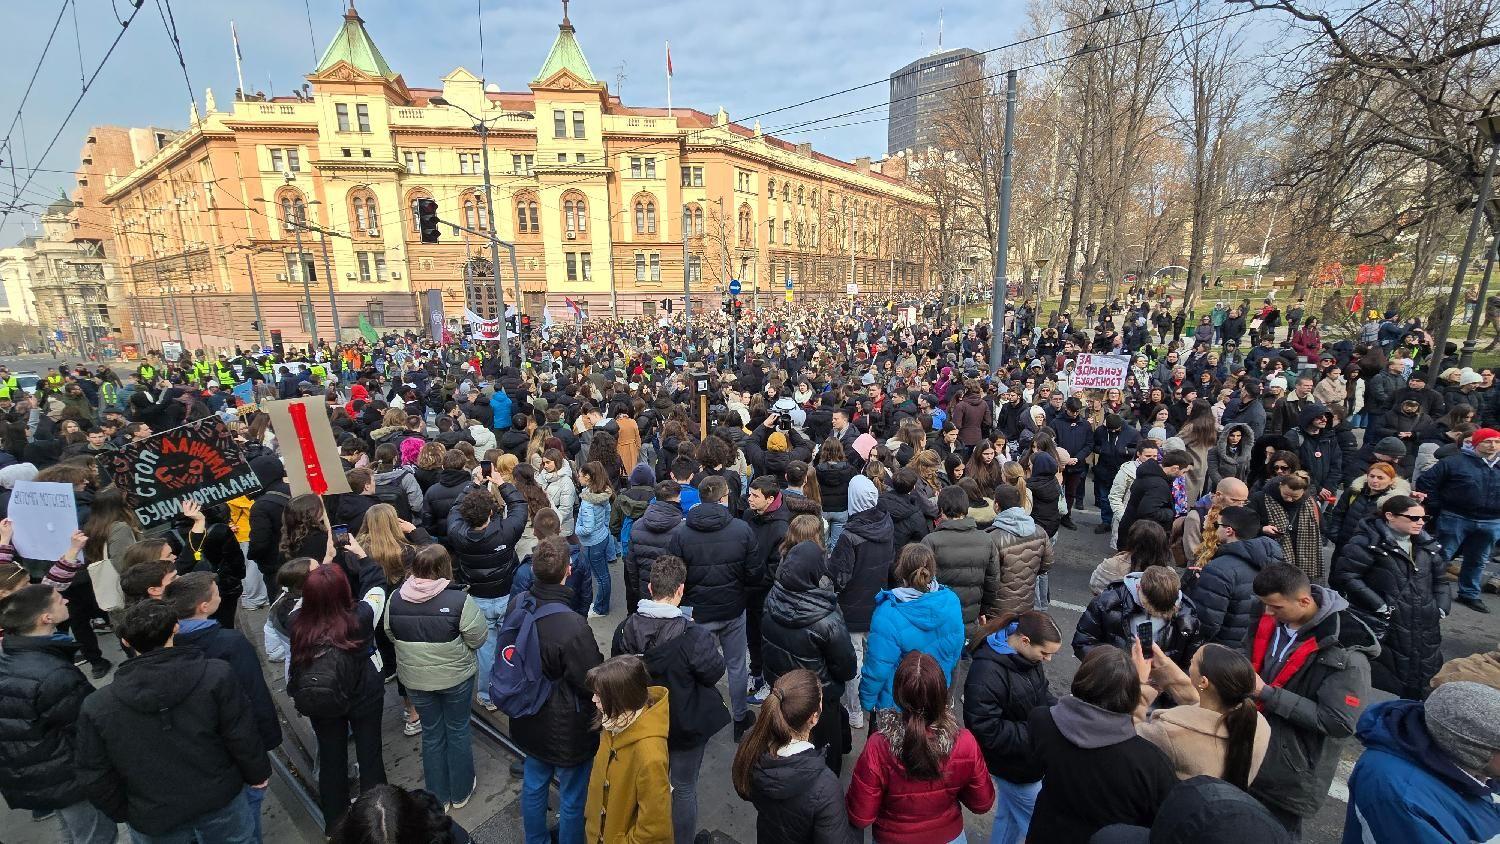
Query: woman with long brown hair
[920,766]
[834,472]
[1198,437]
[383,535]
[1215,729]
[429,464]
[797,799]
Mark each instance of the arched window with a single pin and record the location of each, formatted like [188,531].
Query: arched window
[640,217]
[645,214]
[293,208]
[786,232]
[469,218]
[799,195]
[650,218]
[527,221]
[412,199]
[575,214]
[697,221]
[786,192]
[746,226]
[363,211]
[771,188]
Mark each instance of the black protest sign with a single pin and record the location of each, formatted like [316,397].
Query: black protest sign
[198,461]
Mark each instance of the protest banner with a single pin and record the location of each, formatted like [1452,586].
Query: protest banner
[307,446]
[1100,372]
[199,461]
[44,516]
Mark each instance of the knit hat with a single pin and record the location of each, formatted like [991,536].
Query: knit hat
[1391,446]
[1043,464]
[862,494]
[1484,434]
[777,442]
[1464,720]
[642,475]
[1276,383]
[1469,376]
[16,472]
[1383,468]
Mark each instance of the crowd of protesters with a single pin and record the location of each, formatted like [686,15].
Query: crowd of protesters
[845,526]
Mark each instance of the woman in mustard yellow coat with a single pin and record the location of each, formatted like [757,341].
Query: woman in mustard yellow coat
[630,797]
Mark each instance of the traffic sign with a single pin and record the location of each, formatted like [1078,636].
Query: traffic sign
[789,283]
[734,287]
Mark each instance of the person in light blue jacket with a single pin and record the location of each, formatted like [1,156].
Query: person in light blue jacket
[919,615]
[1428,770]
[592,527]
[500,403]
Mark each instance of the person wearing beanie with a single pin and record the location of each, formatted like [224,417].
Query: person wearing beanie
[1465,488]
[860,564]
[1046,492]
[1427,773]
[1390,450]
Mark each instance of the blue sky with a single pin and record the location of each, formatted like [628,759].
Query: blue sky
[782,52]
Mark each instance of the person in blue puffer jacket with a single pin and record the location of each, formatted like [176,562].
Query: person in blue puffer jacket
[500,403]
[592,527]
[919,615]
[1427,773]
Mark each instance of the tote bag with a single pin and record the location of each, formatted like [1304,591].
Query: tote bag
[106,580]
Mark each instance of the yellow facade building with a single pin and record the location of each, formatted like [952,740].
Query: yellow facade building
[595,195]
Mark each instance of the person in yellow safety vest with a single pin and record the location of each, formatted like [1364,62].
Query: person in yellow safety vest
[200,372]
[319,372]
[53,382]
[9,387]
[224,372]
[109,395]
[267,366]
[147,373]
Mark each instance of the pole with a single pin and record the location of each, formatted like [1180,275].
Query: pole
[312,315]
[1002,246]
[1440,343]
[516,275]
[255,300]
[702,416]
[1467,356]
[489,199]
[328,271]
[687,283]
[238,73]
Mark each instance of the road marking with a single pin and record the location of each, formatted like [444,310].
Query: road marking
[1064,605]
[1339,788]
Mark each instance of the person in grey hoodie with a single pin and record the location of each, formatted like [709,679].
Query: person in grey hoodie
[437,628]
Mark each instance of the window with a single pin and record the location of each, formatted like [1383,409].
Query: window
[526,216]
[562,158]
[296,270]
[656,266]
[650,168]
[276,160]
[342,111]
[348,153]
[375,312]
[577,124]
[786,232]
[559,124]
[578,158]
[586,261]
[640,266]
[365,152]
[771,188]
[293,160]
[416,162]
[645,216]
[292,210]
[637,170]
[484,213]
[362,113]
[771,232]
[469,212]
[744,181]
[416,224]
[579,265]
[692,177]
[364,265]
[694,269]
[515,164]
[799,196]
[468,162]
[571,260]
[575,215]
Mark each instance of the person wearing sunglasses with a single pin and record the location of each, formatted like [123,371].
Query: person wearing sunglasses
[1392,573]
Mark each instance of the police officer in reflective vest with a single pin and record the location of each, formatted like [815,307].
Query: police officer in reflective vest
[9,387]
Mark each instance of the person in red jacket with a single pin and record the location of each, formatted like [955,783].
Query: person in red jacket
[919,766]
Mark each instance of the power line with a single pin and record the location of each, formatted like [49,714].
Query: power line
[169,24]
[34,73]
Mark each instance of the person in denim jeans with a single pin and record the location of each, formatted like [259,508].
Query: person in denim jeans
[483,542]
[560,738]
[592,527]
[436,629]
[1466,488]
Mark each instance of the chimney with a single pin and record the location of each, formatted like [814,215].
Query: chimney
[804,150]
[862,164]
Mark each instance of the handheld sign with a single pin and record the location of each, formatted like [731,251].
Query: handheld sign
[245,392]
[307,446]
[45,518]
[1100,372]
[199,461]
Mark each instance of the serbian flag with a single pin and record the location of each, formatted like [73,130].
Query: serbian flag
[573,306]
[669,58]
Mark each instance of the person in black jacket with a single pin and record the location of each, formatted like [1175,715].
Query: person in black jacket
[1393,576]
[41,692]
[769,454]
[266,513]
[195,596]
[1115,443]
[650,533]
[452,482]
[560,738]
[1151,494]
[898,501]
[718,550]
[483,542]
[1222,594]
[804,628]
[1316,445]
[797,799]
[685,659]
[169,746]
[834,473]
[860,566]
[768,518]
[1076,435]
[1007,680]
[1118,614]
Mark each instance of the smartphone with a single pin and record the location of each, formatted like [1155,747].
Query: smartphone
[486,467]
[1143,632]
[340,534]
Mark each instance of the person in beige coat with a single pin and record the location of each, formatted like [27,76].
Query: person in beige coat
[1025,552]
[1215,730]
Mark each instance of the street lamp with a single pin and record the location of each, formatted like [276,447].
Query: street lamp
[482,127]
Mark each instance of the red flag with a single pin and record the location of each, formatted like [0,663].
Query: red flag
[669,58]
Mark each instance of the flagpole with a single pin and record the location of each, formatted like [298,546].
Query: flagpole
[238,72]
[669,78]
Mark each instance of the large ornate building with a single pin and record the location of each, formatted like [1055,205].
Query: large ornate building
[252,214]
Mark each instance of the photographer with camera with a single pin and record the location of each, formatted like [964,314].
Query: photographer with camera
[775,445]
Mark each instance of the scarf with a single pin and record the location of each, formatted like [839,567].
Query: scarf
[1179,495]
[620,723]
[1300,542]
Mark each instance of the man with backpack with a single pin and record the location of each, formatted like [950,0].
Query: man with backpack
[683,657]
[483,542]
[543,657]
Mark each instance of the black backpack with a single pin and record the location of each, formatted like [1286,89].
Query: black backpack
[394,494]
[326,687]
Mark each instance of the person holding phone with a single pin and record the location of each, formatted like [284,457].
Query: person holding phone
[1147,606]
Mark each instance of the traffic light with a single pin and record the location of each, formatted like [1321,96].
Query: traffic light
[666,305]
[739,308]
[255,325]
[427,220]
[525,324]
[728,306]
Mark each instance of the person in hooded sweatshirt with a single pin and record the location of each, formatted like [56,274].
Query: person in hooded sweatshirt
[1312,662]
[649,535]
[899,501]
[860,565]
[797,799]
[1006,682]
[1095,770]
[919,614]
[1153,596]
[1045,492]
[170,745]
[1428,770]
[684,659]
[1222,592]
[1025,552]
[803,628]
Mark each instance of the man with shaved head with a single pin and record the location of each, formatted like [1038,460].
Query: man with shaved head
[1201,519]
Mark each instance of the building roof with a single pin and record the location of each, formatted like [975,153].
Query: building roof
[354,45]
[62,206]
[566,55]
